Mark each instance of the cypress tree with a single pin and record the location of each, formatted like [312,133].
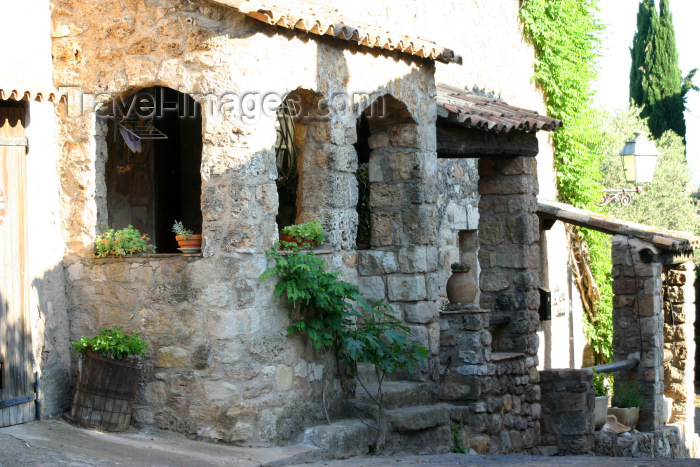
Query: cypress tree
[655,79]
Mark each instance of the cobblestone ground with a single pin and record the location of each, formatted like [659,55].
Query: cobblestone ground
[505,460]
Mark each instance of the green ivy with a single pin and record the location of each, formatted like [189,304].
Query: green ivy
[565,37]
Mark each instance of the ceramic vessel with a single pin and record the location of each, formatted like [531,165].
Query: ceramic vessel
[601,410]
[627,416]
[461,287]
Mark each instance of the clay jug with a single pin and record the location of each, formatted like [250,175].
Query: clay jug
[461,287]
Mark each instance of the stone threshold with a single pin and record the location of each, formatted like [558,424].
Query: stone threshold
[502,356]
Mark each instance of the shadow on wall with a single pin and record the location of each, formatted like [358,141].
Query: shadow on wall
[51,330]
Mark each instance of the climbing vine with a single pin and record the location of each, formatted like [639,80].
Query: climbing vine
[565,37]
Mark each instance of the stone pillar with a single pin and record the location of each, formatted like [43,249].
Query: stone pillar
[402,264]
[679,318]
[638,325]
[509,250]
[567,403]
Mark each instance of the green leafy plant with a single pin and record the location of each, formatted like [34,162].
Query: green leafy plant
[626,395]
[112,342]
[460,266]
[308,233]
[565,35]
[126,241]
[180,230]
[457,446]
[602,383]
[336,318]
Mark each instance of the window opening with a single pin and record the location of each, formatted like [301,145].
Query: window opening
[287,170]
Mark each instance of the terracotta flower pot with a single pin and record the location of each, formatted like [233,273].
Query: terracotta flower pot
[193,241]
[461,287]
[295,242]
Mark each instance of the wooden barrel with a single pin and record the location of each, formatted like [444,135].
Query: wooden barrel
[105,392]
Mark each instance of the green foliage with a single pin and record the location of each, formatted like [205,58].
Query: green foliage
[308,232]
[179,229]
[665,202]
[460,266]
[364,218]
[565,37]
[112,342]
[379,338]
[626,395]
[656,83]
[602,383]
[457,446]
[366,333]
[126,241]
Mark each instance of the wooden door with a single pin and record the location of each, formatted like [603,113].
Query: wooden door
[16,376]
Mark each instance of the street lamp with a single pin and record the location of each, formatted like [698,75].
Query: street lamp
[639,157]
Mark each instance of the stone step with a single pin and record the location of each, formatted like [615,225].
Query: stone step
[547,450]
[339,440]
[399,394]
[421,429]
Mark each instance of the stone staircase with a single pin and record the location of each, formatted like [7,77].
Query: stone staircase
[414,421]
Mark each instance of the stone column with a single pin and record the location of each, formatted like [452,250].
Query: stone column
[509,249]
[679,318]
[638,325]
[402,264]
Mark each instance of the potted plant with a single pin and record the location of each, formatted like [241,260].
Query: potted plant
[306,235]
[626,401]
[601,387]
[127,241]
[461,286]
[187,240]
[108,377]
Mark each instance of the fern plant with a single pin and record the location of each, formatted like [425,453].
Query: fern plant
[336,318]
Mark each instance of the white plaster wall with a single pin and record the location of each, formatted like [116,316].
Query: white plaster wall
[47,297]
[28,62]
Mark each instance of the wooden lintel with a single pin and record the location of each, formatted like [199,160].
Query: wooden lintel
[458,142]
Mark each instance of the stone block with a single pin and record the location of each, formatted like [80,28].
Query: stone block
[523,229]
[413,259]
[406,288]
[494,281]
[372,287]
[372,263]
[491,230]
[386,228]
[421,224]
[405,166]
[480,443]
[378,140]
[404,135]
[172,357]
[421,312]
[386,195]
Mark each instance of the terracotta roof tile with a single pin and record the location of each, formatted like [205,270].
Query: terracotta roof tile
[488,114]
[321,20]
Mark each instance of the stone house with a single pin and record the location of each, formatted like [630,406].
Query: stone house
[240,87]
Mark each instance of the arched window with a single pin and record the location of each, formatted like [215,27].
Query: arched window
[154,142]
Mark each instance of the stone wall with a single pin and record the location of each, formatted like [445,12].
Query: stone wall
[567,403]
[638,326]
[220,365]
[679,313]
[509,250]
[499,390]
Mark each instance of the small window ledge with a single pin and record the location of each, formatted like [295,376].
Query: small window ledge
[144,258]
